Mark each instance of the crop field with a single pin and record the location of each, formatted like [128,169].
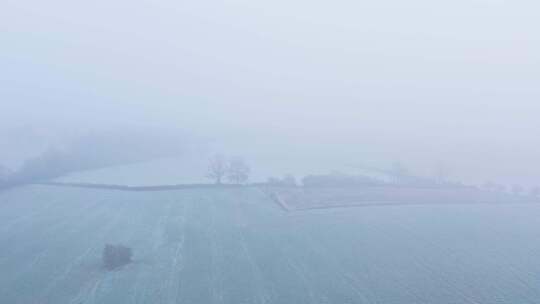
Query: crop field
[302,198]
[237,246]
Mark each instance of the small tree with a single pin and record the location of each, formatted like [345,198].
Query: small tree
[535,191]
[238,172]
[399,172]
[274,181]
[217,169]
[500,188]
[4,174]
[489,186]
[440,174]
[517,189]
[289,180]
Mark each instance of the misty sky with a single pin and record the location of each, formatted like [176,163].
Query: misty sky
[370,81]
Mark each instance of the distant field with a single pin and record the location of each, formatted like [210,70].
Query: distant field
[156,172]
[191,169]
[236,246]
[327,197]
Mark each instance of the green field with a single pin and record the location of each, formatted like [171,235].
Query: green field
[236,246]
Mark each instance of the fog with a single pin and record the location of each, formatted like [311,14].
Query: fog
[301,82]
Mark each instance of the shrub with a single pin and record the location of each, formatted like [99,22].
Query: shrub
[115,256]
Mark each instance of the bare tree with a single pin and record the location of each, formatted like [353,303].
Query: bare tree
[217,169]
[238,172]
[5,173]
[535,191]
[440,174]
[500,188]
[289,180]
[517,189]
[489,186]
[399,172]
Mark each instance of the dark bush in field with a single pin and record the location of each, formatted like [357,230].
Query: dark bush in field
[115,256]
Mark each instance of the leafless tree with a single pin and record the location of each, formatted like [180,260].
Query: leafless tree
[489,186]
[535,191]
[399,172]
[440,174]
[238,172]
[500,188]
[217,169]
[5,174]
[289,180]
[517,189]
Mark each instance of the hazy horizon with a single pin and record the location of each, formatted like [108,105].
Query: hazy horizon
[419,82]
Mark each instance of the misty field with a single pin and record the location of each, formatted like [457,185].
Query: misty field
[303,198]
[236,246]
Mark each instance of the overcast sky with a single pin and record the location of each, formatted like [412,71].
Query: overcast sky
[418,81]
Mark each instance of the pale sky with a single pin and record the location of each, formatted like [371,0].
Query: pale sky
[419,81]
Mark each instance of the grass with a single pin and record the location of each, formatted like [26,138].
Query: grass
[237,246]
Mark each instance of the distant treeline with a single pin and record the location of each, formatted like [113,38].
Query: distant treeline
[351,180]
[89,153]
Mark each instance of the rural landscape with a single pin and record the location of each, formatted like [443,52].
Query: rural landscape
[330,238]
[269,152]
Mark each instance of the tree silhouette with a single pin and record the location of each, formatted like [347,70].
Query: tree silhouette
[238,172]
[217,169]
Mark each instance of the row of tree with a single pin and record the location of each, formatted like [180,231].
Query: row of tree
[235,170]
[402,175]
[514,189]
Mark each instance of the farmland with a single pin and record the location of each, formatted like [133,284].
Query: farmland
[238,246]
[303,198]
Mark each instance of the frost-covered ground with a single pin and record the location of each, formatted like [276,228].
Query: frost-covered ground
[166,171]
[235,246]
[302,198]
